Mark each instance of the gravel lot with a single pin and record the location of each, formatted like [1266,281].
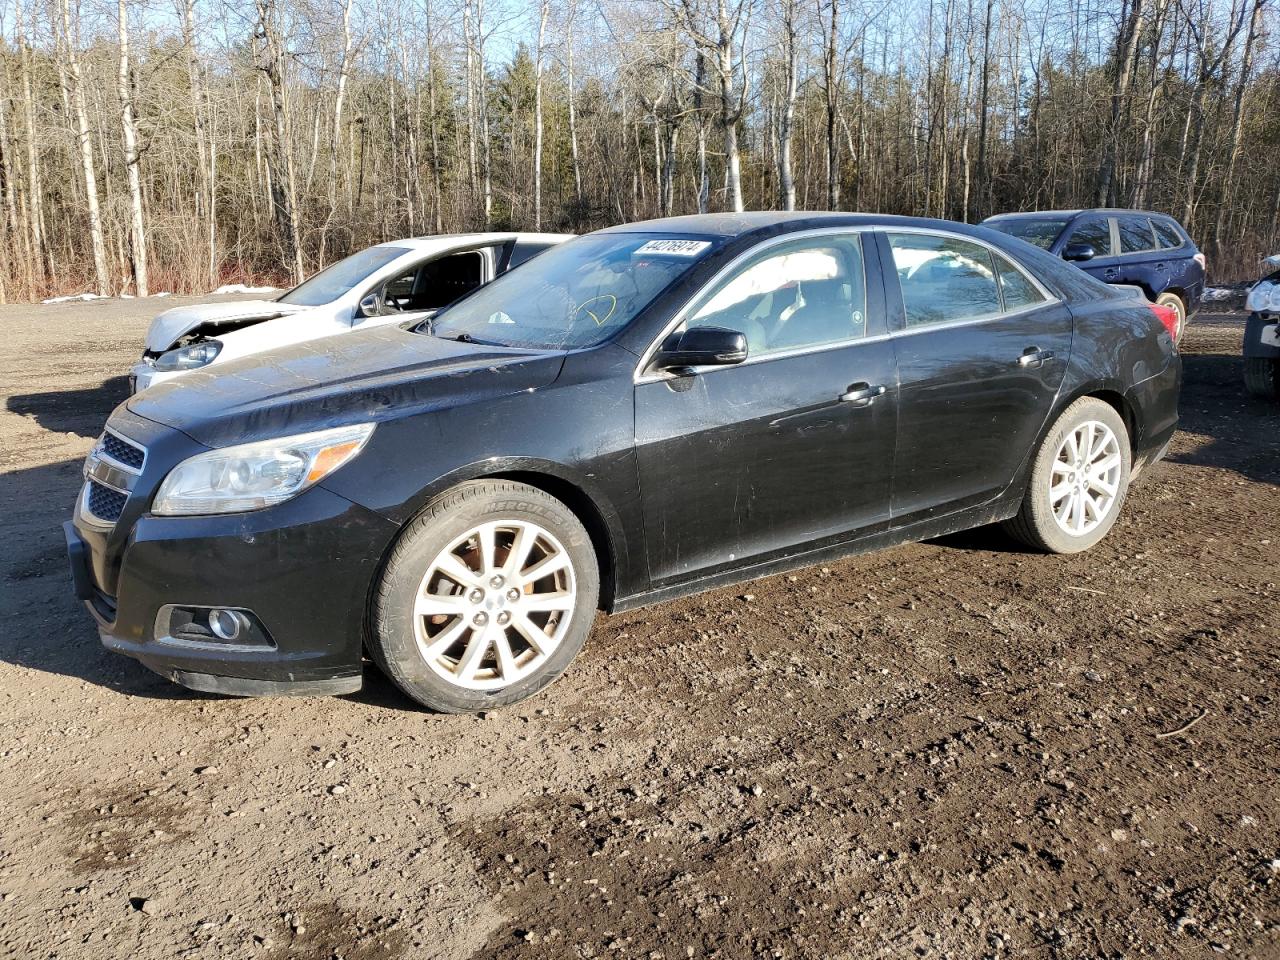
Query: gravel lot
[953,749]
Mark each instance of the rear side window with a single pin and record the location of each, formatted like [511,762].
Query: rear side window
[944,279]
[1167,234]
[1094,233]
[1019,292]
[1135,234]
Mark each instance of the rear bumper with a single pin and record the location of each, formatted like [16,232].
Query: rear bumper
[1155,401]
[302,568]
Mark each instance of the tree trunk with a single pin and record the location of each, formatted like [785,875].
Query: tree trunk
[75,94]
[786,116]
[573,118]
[1237,125]
[537,118]
[129,132]
[283,178]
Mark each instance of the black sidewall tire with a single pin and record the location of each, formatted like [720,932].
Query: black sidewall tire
[1262,377]
[391,637]
[1035,524]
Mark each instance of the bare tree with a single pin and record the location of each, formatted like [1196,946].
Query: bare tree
[129,136]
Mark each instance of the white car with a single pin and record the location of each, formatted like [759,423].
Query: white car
[397,282]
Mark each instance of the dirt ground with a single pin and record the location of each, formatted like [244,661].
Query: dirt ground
[953,749]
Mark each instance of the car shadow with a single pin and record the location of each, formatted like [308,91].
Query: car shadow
[72,411]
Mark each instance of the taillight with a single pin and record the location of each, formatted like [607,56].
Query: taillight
[1204,264]
[1168,316]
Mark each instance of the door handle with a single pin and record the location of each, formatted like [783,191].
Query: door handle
[1034,357]
[862,394]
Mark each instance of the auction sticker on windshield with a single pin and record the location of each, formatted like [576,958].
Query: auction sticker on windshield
[673,248]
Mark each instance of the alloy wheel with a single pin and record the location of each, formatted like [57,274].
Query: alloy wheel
[1085,480]
[495,604]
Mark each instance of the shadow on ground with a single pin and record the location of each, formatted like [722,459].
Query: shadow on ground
[72,411]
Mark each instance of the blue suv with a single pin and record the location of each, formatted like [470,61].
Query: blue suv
[1132,247]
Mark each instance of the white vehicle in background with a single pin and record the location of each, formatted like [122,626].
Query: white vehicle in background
[397,282]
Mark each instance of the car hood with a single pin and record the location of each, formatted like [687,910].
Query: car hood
[180,321]
[357,377]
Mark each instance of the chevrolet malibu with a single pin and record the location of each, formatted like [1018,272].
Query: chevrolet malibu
[647,411]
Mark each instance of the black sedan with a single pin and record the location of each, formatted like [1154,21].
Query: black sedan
[640,413]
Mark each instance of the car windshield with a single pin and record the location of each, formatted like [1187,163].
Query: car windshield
[333,281]
[1040,232]
[576,294]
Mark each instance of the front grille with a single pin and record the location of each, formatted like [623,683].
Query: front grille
[104,503]
[122,451]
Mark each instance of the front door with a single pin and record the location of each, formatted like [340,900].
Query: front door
[788,450]
[981,351]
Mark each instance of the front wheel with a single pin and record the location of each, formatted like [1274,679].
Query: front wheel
[1262,377]
[1078,480]
[486,598]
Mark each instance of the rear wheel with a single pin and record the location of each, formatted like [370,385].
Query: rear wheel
[1262,377]
[1174,302]
[487,597]
[1078,480]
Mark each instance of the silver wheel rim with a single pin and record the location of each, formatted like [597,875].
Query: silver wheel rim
[494,605]
[1085,481]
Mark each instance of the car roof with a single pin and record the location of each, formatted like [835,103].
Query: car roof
[1068,214]
[724,226]
[442,242]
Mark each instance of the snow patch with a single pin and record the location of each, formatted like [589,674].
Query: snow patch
[242,288]
[163,293]
[75,298]
[1218,294]
[1272,262]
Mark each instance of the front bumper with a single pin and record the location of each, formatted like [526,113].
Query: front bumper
[303,568]
[1262,336]
[144,375]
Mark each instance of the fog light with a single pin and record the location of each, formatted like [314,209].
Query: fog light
[226,624]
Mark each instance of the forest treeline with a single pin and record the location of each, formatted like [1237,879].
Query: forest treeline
[176,144]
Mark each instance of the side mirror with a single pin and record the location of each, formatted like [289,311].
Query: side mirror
[1079,251]
[370,305]
[702,347]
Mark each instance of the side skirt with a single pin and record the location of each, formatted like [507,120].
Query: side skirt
[993,512]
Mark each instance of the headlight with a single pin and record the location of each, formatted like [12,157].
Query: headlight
[255,475]
[1264,298]
[190,357]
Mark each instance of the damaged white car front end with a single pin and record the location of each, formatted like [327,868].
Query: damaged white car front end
[404,281]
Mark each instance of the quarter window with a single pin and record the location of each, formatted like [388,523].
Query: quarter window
[1135,234]
[1019,292]
[1096,234]
[806,293]
[944,279]
[1167,235]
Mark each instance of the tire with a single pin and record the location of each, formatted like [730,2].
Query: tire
[1262,377]
[1175,301]
[1037,523]
[437,626]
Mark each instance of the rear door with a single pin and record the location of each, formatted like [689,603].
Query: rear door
[789,450]
[981,351]
[1140,263]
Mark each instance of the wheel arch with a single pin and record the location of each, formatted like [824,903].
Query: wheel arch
[589,505]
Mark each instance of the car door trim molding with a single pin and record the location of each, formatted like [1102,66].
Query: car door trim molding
[640,376]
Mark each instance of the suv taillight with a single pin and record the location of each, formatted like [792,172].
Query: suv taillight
[1168,316]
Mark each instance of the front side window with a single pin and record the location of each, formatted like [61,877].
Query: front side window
[577,294]
[805,293]
[944,279]
[1135,234]
[334,281]
[1093,233]
[1040,232]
